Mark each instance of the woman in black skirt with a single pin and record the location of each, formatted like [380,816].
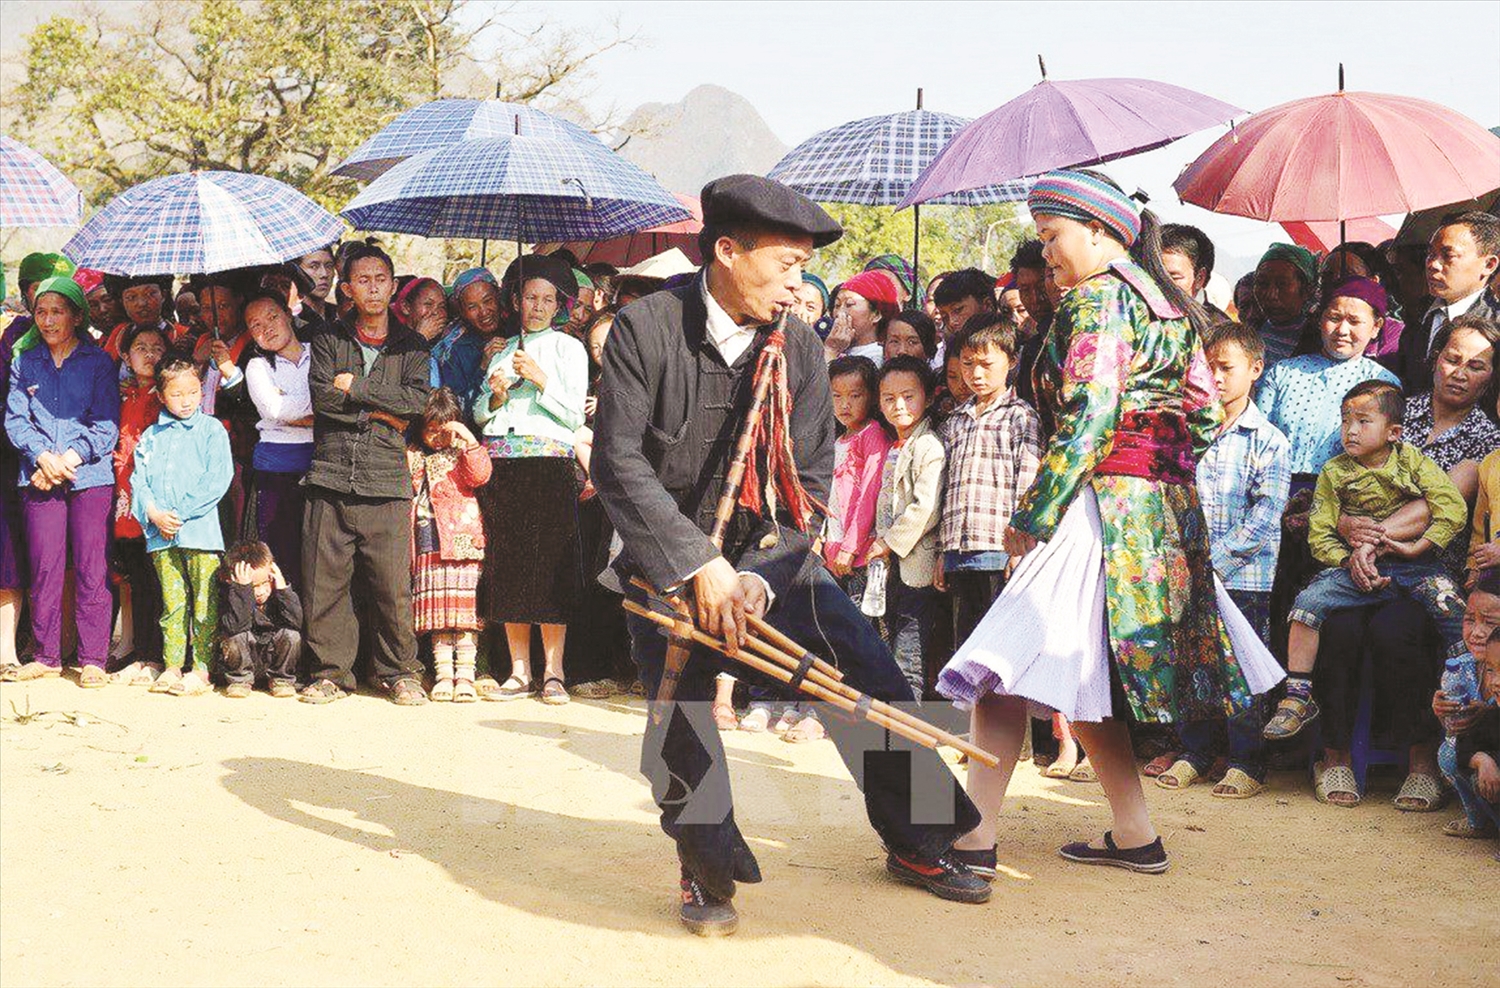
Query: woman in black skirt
[528,409]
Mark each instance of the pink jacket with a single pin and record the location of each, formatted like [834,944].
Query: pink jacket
[856,488]
[453,478]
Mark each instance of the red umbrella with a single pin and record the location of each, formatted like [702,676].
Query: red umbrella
[1320,236]
[1343,156]
[633,248]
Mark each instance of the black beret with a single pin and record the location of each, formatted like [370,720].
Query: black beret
[546,266]
[761,202]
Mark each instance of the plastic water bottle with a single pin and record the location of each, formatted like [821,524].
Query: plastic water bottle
[1460,681]
[873,601]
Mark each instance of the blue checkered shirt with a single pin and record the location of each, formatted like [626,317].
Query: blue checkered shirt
[1243,482]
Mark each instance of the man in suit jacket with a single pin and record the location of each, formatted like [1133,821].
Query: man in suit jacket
[1462,257]
[673,395]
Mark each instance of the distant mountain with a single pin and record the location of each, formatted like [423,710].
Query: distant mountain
[712,132]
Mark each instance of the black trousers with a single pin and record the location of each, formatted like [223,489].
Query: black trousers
[912,799]
[133,562]
[341,534]
[273,656]
[973,592]
[1407,660]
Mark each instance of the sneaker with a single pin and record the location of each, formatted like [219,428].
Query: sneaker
[282,689]
[323,691]
[1148,859]
[944,876]
[1291,716]
[981,863]
[237,691]
[757,721]
[704,913]
[406,691]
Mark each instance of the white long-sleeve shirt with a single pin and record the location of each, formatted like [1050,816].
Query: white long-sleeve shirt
[281,395]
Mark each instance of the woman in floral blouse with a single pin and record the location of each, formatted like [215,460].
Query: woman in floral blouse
[1111,529]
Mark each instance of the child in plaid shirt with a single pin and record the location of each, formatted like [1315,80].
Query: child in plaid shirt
[1243,483]
[993,444]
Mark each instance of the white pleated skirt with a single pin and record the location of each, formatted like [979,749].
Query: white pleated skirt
[1046,638]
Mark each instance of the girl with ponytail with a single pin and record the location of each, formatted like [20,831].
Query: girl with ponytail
[1110,530]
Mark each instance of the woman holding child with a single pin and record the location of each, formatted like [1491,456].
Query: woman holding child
[1112,526]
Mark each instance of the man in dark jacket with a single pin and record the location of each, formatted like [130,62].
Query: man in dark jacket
[1462,257]
[368,378]
[674,393]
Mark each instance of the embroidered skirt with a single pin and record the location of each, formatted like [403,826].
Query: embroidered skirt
[1046,637]
[445,594]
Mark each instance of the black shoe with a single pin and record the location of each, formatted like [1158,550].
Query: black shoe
[981,863]
[703,912]
[943,876]
[1148,859]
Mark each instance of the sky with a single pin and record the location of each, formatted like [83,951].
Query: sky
[809,66]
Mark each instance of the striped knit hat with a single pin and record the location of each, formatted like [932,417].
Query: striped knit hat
[1083,197]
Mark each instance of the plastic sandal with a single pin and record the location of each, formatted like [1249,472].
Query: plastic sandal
[1238,784]
[1083,773]
[191,684]
[464,691]
[1337,780]
[168,679]
[1181,775]
[1462,828]
[809,728]
[1160,764]
[1291,716]
[513,688]
[126,674]
[555,695]
[148,675]
[442,691]
[1421,789]
[92,677]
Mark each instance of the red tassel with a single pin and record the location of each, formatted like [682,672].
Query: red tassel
[773,438]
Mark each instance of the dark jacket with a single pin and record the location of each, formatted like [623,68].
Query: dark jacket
[668,416]
[238,612]
[1483,735]
[354,453]
[1411,363]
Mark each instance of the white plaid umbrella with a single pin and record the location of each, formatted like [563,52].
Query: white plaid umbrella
[32,191]
[534,186]
[202,222]
[446,122]
[874,161]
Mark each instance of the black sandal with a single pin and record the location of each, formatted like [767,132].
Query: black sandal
[558,696]
[512,689]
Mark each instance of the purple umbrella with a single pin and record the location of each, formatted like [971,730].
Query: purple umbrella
[1062,125]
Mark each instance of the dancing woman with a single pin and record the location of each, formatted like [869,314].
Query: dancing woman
[1113,610]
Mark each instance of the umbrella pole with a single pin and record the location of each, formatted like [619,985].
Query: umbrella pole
[484,252]
[916,231]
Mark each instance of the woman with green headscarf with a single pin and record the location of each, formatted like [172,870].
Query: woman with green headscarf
[1286,287]
[62,413]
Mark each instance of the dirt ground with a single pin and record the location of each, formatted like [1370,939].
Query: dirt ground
[160,840]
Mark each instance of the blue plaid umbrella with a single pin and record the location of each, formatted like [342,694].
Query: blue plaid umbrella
[32,191]
[202,222]
[529,187]
[445,122]
[874,161]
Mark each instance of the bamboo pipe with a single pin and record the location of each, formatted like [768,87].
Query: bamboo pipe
[761,627]
[683,629]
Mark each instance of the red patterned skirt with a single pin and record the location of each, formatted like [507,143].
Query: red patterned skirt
[444,594]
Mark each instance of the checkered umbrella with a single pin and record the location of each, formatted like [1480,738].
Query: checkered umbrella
[874,161]
[32,191]
[533,186]
[445,122]
[202,222]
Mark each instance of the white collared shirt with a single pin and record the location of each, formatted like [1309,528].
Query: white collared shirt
[727,336]
[1449,313]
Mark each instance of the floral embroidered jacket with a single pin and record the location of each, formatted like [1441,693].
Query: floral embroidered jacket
[451,479]
[1124,375]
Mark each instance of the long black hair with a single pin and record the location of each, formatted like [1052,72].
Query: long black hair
[1146,251]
